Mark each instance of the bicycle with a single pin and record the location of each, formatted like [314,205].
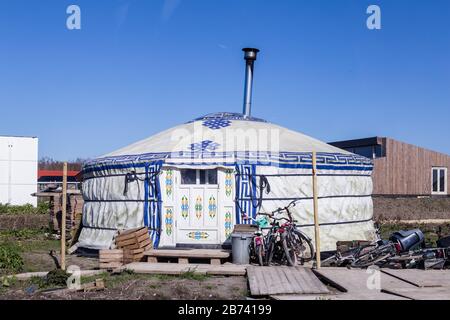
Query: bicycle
[257,247]
[286,238]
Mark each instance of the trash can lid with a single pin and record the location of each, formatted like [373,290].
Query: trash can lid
[242,235]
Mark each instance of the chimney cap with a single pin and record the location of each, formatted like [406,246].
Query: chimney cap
[250,53]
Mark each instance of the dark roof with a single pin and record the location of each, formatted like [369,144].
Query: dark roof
[357,142]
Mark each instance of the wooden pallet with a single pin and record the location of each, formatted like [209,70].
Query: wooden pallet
[110,259]
[183,256]
[134,242]
[266,281]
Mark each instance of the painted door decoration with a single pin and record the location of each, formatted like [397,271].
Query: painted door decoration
[198,218]
[227,206]
[168,212]
[195,212]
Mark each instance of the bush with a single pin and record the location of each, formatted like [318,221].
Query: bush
[54,279]
[24,234]
[42,208]
[57,278]
[10,258]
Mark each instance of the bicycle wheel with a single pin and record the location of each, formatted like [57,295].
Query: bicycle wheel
[303,246]
[270,251]
[373,256]
[260,254]
[289,250]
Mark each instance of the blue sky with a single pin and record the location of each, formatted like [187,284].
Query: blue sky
[138,67]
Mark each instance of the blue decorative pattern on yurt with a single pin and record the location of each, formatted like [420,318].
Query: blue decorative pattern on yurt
[215,124]
[152,201]
[245,188]
[326,161]
[205,145]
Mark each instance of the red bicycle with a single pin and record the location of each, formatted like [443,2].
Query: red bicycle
[284,242]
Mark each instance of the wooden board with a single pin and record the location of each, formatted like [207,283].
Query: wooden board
[29,275]
[110,251]
[341,296]
[133,251]
[421,278]
[110,265]
[424,293]
[177,269]
[145,244]
[191,253]
[134,240]
[406,169]
[107,256]
[266,281]
[355,282]
[130,233]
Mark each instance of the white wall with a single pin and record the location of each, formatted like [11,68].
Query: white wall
[18,169]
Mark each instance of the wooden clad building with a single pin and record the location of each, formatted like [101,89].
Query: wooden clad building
[402,169]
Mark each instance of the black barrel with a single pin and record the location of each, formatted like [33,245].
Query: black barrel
[408,239]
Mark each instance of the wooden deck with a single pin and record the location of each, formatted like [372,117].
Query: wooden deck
[358,284]
[265,281]
[422,278]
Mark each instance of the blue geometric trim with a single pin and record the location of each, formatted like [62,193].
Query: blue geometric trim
[227,116]
[296,160]
[152,201]
[244,191]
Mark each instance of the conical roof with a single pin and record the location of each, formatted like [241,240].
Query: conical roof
[220,132]
[225,138]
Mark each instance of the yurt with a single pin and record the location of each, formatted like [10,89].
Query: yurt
[192,183]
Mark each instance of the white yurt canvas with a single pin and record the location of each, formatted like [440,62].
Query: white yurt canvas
[192,183]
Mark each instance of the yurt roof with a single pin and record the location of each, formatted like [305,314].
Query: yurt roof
[224,137]
[214,128]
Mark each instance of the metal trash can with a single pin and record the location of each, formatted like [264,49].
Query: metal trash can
[240,243]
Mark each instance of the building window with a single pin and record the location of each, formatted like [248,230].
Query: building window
[439,180]
[196,176]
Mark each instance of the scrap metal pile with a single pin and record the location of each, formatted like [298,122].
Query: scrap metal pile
[405,249]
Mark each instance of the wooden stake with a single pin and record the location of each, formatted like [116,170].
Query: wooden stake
[316,213]
[64,217]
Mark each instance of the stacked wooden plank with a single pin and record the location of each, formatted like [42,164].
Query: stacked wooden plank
[134,242]
[110,259]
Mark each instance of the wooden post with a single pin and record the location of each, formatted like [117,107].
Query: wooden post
[63,218]
[316,213]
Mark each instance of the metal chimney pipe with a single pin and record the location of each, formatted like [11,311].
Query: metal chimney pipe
[250,57]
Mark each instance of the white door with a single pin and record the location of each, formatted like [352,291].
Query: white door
[197,213]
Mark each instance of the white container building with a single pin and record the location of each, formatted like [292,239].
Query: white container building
[18,169]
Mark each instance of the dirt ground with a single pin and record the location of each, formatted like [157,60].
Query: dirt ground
[34,247]
[138,287]
[411,208]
